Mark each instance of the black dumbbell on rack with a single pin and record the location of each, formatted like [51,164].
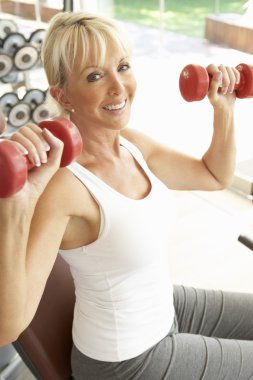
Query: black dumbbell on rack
[6,27]
[17,113]
[6,64]
[36,38]
[25,56]
[39,109]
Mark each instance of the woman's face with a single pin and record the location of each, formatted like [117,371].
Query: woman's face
[102,96]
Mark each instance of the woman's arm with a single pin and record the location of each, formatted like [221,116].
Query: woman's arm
[32,225]
[215,169]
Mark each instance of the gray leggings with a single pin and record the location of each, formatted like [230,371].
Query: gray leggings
[212,339]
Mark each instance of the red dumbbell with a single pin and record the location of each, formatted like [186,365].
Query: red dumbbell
[194,82]
[14,165]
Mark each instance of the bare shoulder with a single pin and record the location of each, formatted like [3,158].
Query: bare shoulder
[63,194]
[144,143]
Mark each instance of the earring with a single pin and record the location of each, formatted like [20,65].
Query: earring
[72,110]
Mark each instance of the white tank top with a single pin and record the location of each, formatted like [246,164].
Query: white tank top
[124,296]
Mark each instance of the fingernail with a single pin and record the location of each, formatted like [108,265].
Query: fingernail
[36,160]
[43,157]
[46,147]
[25,151]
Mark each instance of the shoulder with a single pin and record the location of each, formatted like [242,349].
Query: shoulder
[143,142]
[58,198]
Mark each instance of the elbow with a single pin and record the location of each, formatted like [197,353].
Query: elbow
[8,336]
[7,339]
[225,183]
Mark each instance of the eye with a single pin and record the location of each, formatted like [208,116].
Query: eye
[124,67]
[93,77]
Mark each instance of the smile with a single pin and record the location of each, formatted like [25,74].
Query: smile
[113,107]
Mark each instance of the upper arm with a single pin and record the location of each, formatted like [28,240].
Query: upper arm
[178,171]
[47,229]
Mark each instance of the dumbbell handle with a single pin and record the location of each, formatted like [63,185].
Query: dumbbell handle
[194,82]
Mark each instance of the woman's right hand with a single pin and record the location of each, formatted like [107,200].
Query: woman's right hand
[44,150]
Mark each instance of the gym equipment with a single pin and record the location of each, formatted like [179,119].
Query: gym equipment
[45,345]
[194,82]
[6,64]
[247,240]
[17,112]
[7,27]
[11,78]
[41,112]
[7,101]
[36,38]
[36,99]
[24,55]
[14,165]
[19,115]
[12,42]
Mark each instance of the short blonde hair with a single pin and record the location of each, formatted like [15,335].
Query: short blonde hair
[67,32]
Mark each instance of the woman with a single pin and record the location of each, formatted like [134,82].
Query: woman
[114,230]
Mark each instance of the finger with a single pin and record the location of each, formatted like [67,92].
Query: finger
[22,149]
[237,75]
[225,79]
[56,147]
[37,146]
[38,131]
[215,82]
[29,146]
[232,79]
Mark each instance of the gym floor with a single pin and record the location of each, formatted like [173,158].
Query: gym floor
[204,247]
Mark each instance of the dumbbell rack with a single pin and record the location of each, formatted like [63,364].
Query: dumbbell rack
[19,60]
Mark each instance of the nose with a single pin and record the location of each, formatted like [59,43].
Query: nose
[116,86]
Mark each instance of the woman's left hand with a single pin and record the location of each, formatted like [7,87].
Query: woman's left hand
[222,84]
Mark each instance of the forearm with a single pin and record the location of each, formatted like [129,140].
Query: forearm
[13,280]
[221,155]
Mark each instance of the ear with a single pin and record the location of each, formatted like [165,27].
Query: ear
[58,94]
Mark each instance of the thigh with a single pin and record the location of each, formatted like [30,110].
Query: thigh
[176,357]
[195,357]
[85,368]
[214,312]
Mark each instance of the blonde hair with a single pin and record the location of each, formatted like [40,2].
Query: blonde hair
[82,32]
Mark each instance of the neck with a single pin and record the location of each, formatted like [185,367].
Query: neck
[99,144]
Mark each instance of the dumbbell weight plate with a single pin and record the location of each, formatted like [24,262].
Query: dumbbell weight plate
[193,83]
[10,78]
[40,113]
[12,42]
[36,38]
[245,88]
[7,27]
[6,64]
[13,172]
[7,101]
[25,57]
[34,97]
[19,115]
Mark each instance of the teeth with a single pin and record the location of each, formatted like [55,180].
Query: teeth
[111,107]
